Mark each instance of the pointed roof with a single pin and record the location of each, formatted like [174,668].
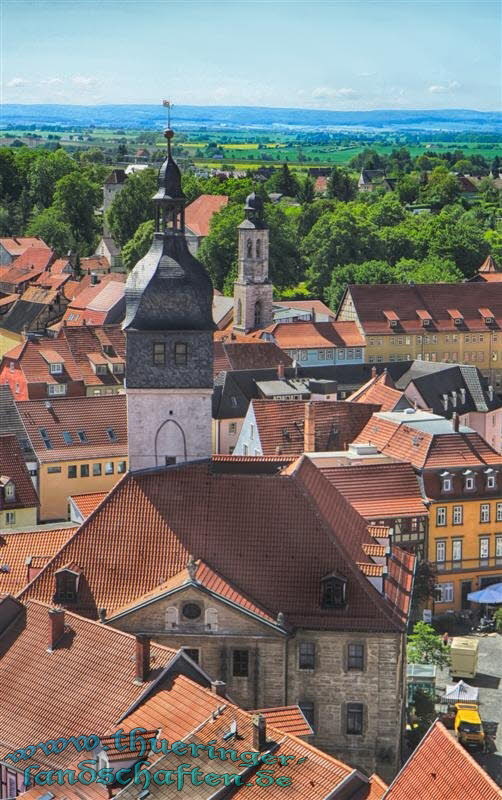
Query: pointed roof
[488,265]
[381,390]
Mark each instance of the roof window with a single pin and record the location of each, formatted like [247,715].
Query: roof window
[111,435]
[67,437]
[333,591]
[45,438]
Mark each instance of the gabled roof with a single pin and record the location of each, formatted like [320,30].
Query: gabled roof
[92,415]
[90,671]
[305,305]
[33,260]
[439,299]
[281,425]
[22,550]
[441,769]
[489,265]
[18,244]
[199,213]
[228,521]
[315,334]
[230,355]
[450,383]
[13,465]
[87,503]
[380,390]
[289,719]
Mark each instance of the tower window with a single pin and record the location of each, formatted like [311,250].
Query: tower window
[240,663]
[159,354]
[355,715]
[258,248]
[257,314]
[180,354]
[249,248]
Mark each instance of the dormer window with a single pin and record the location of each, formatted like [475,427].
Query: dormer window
[392,318]
[67,580]
[446,482]
[9,489]
[469,482]
[462,396]
[333,591]
[445,402]
[181,354]
[491,479]
[55,369]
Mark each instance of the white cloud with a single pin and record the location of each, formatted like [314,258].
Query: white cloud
[83,81]
[326,93]
[15,83]
[52,82]
[444,88]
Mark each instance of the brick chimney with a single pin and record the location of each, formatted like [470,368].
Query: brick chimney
[280,372]
[219,688]
[142,659]
[455,421]
[56,627]
[373,372]
[309,428]
[259,732]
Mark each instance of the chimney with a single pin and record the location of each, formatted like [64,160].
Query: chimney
[219,688]
[142,659]
[455,421]
[56,627]
[280,372]
[259,732]
[313,314]
[309,428]
[373,372]
[490,393]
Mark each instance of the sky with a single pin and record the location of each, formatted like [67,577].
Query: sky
[327,54]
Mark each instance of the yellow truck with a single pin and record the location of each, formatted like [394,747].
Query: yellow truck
[468,726]
[464,657]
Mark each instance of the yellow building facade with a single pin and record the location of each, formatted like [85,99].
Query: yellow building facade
[465,547]
[58,480]
[18,518]
[8,340]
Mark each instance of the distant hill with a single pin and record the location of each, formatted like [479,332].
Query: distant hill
[154,117]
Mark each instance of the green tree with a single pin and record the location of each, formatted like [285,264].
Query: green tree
[464,166]
[139,245]
[495,167]
[75,201]
[408,187]
[49,225]
[45,172]
[442,188]
[489,191]
[387,211]
[284,182]
[425,646]
[432,270]
[454,235]
[341,185]
[218,251]
[10,177]
[312,212]
[372,271]
[306,191]
[132,206]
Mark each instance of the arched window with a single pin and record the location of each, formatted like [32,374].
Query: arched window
[257,314]
[258,248]
[211,619]
[249,248]
[239,312]
[171,617]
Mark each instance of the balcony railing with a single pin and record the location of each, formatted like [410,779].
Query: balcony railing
[468,564]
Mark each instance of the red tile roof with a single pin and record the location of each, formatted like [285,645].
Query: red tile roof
[8,299]
[281,424]
[34,258]
[441,769]
[192,509]
[288,719]
[59,265]
[199,213]
[13,466]
[379,390]
[93,415]
[231,355]
[16,246]
[306,305]
[91,672]
[316,334]
[404,300]
[488,265]
[87,503]
[39,546]
[378,490]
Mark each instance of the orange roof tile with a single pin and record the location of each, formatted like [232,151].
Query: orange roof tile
[25,553]
[254,354]
[13,466]
[198,214]
[17,245]
[288,719]
[380,389]
[316,334]
[441,769]
[34,258]
[86,503]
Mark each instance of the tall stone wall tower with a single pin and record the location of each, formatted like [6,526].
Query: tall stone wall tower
[253,289]
[169,339]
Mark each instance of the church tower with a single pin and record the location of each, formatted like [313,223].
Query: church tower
[169,339]
[253,289]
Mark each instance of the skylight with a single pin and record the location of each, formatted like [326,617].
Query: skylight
[111,434]
[46,439]
[67,437]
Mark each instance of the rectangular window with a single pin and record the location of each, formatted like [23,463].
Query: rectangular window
[251,431]
[232,427]
[321,355]
[56,388]
[159,354]
[444,593]
[499,512]
[350,353]
[458,515]
[498,549]
[84,470]
[67,437]
[440,551]
[96,470]
[303,355]
[484,512]
[441,515]
[111,434]
[10,517]
[109,468]
[53,470]
[484,550]
[72,471]
[341,355]
[180,354]
[55,369]
[245,449]
[240,663]
[307,710]
[306,655]
[121,467]
[355,657]
[456,550]
[329,355]
[355,719]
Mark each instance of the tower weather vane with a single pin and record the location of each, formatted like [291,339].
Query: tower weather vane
[167,104]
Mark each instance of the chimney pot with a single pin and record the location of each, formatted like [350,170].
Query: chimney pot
[280,372]
[219,688]
[142,658]
[373,372]
[455,421]
[309,428]
[56,627]
[259,732]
